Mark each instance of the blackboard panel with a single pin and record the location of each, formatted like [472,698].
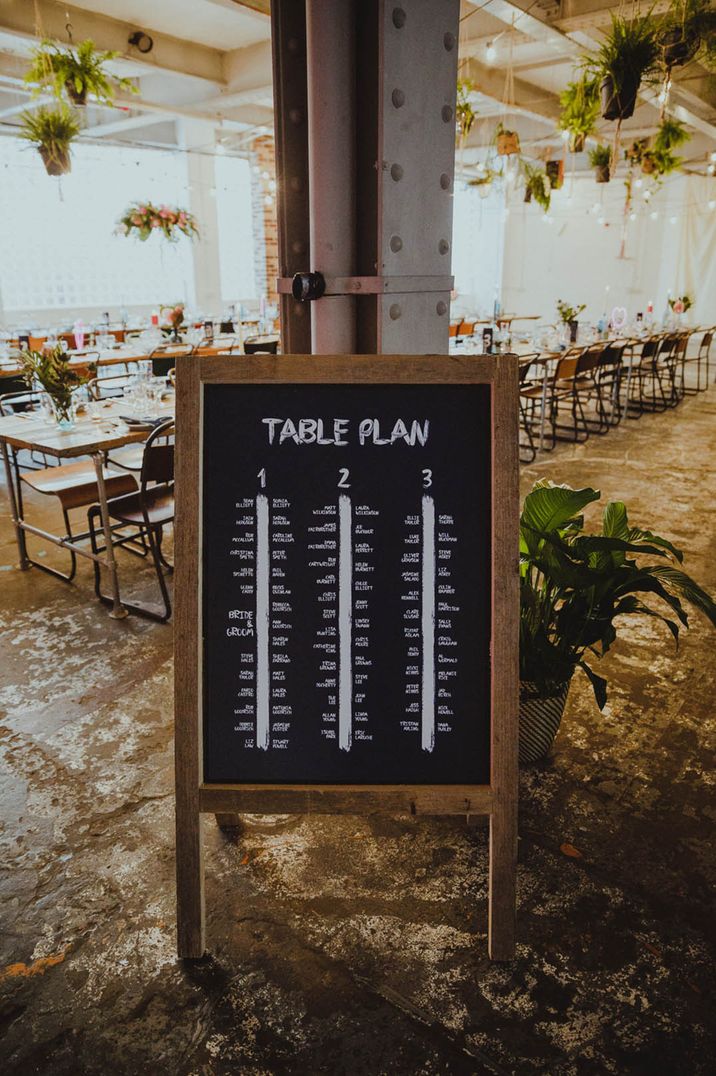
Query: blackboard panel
[346,586]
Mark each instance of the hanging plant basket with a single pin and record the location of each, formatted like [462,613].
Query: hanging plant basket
[57,161]
[602,173]
[540,718]
[508,144]
[576,143]
[678,50]
[528,194]
[648,165]
[77,97]
[618,105]
[555,174]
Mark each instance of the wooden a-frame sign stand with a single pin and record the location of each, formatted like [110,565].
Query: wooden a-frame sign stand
[498,799]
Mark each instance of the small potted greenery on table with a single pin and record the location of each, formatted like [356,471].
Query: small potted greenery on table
[51,369]
[568,316]
[574,587]
[52,130]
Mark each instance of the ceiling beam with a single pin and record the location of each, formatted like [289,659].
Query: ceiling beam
[528,99]
[513,15]
[170,54]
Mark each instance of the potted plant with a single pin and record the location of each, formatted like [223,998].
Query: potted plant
[680,305]
[568,316]
[76,72]
[483,181]
[580,109]
[51,369]
[575,586]
[507,142]
[555,174]
[537,186]
[52,130]
[600,159]
[627,55]
[465,114]
[687,32]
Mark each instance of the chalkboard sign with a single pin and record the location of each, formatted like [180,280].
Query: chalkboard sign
[347,581]
[346,596]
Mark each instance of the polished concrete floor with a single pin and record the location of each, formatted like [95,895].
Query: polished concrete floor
[357,945]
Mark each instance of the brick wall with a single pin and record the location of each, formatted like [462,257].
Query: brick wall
[263,207]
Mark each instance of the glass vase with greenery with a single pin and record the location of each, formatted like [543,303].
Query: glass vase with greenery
[576,587]
[77,71]
[51,370]
[52,129]
[580,111]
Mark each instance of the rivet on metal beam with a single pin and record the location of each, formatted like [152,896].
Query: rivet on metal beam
[449,42]
[443,246]
[298,247]
[395,312]
[397,172]
[441,307]
[293,46]
[399,18]
[296,183]
[295,115]
[445,181]
[446,113]
[398,98]
[396,243]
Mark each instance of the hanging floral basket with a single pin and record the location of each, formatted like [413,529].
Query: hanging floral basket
[144,219]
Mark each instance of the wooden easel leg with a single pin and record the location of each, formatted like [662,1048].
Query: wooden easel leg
[228,821]
[190,879]
[502,882]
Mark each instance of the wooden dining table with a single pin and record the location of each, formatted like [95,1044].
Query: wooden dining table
[94,437]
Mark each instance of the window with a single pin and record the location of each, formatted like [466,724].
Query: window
[57,243]
[478,240]
[236,234]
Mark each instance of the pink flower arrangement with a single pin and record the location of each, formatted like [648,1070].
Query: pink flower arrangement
[145,218]
[681,304]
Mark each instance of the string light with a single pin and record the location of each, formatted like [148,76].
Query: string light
[654,214]
[638,182]
[712,204]
[632,216]
[673,220]
[490,53]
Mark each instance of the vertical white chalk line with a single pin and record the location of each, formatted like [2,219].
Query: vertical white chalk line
[345,623]
[263,572]
[427,726]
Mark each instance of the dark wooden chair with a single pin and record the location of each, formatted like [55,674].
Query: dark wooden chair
[149,509]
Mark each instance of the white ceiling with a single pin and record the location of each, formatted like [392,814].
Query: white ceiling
[219,24]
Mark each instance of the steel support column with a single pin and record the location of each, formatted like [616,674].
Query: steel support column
[380,146]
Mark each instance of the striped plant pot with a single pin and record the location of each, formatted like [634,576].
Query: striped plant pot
[539,721]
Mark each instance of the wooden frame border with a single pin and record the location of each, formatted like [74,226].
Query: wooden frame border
[499,798]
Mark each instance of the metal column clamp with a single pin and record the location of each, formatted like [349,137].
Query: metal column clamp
[306,287]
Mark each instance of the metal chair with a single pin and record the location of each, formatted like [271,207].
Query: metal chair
[164,357]
[148,509]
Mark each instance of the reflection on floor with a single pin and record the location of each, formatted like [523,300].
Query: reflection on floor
[356,945]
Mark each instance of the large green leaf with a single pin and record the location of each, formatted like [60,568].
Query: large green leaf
[547,508]
[686,587]
[631,604]
[598,683]
[614,521]
[639,536]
